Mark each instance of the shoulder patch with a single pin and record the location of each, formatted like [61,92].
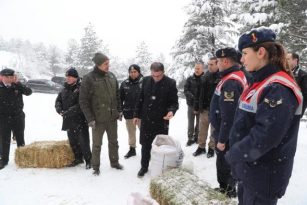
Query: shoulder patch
[229,96]
[273,103]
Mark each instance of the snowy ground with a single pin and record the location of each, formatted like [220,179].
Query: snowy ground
[77,186]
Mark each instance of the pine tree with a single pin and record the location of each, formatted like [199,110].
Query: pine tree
[71,56]
[54,60]
[257,13]
[143,58]
[208,28]
[90,44]
[293,34]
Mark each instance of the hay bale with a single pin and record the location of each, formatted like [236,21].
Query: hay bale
[178,187]
[44,154]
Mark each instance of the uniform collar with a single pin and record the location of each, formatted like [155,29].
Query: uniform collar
[264,72]
[229,70]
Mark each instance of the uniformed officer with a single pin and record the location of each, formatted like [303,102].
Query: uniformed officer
[264,134]
[12,117]
[222,110]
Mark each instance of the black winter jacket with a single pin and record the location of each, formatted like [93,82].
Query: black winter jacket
[205,91]
[191,87]
[129,94]
[11,101]
[301,79]
[155,101]
[67,103]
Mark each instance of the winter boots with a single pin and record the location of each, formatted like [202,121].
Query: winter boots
[96,172]
[75,162]
[210,153]
[142,172]
[190,142]
[117,166]
[131,153]
[199,151]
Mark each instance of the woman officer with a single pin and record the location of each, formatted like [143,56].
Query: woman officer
[264,134]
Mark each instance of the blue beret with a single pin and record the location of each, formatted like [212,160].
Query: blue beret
[256,36]
[7,72]
[226,53]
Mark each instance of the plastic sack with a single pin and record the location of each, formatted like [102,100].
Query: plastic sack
[166,153]
[139,199]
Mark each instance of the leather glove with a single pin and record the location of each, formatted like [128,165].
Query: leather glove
[92,124]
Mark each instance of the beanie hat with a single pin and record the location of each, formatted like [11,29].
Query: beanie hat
[7,72]
[72,72]
[99,58]
[256,36]
[135,67]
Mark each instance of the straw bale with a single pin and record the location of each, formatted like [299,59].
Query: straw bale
[44,154]
[178,187]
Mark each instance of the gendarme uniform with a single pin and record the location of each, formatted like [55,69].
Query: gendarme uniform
[222,110]
[264,134]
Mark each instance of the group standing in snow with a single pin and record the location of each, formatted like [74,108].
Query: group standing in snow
[252,110]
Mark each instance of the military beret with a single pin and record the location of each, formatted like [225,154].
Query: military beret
[7,72]
[256,36]
[226,53]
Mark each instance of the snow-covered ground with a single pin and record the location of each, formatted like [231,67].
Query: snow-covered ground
[77,186]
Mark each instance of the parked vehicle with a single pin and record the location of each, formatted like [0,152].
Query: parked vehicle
[58,79]
[44,86]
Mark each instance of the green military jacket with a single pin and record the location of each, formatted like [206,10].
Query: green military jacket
[99,96]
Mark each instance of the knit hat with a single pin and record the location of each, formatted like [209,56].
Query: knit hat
[256,36]
[72,72]
[135,67]
[7,72]
[99,59]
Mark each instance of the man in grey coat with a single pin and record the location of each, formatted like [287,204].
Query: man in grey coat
[100,103]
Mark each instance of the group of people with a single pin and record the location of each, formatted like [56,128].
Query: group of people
[260,94]
[251,101]
[98,102]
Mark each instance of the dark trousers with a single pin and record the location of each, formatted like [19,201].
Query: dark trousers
[79,140]
[251,197]
[146,149]
[192,126]
[9,124]
[224,176]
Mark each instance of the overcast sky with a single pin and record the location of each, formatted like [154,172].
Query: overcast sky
[122,24]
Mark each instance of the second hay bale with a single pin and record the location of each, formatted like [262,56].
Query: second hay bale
[44,154]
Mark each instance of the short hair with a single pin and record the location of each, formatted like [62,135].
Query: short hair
[157,66]
[295,56]
[213,58]
[200,63]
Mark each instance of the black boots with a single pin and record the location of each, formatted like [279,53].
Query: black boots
[88,164]
[199,151]
[210,153]
[75,162]
[96,172]
[117,166]
[190,142]
[2,165]
[142,172]
[131,153]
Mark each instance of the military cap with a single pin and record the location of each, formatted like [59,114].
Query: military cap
[256,36]
[7,72]
[226,53]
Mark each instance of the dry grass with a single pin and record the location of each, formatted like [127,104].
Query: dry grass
[178,187]
[44,154]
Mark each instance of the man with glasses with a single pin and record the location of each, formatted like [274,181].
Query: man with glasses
[157,104]
[12,117]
